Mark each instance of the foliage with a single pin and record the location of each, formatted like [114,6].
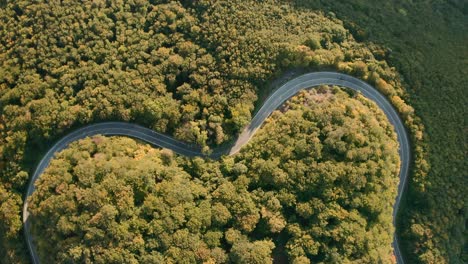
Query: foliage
[319,188]
[192,69]
[426,43]
[114,201]
[314,164]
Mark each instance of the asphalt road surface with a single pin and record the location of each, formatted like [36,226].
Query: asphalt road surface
[274,101]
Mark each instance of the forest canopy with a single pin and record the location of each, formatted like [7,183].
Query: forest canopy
[316,191]
[428,43]
[195,70]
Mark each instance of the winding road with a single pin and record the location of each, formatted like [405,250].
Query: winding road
[274,101]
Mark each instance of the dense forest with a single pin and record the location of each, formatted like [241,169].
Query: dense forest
[197,69]
[316,191]
[429,47]
[190,69]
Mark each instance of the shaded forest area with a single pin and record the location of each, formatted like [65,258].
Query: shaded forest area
[189,69]
[429,47]
[316,191]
